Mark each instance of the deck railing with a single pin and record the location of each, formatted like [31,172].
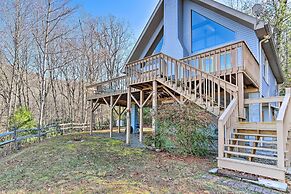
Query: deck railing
[283,125]
[267,108]
[225,60]
[220,62]
[192,82]
[226,124]
[114,86]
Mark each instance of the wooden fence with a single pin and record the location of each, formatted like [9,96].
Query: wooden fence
[18,135]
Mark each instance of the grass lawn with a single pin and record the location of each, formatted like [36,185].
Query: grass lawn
[101,165]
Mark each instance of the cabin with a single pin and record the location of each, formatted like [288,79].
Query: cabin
[219,58]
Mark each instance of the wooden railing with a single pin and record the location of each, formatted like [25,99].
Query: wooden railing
[266,109]
[206,89]
[227,122]
[114,86]
[69,127]
[283,124]
[16,136]
[147,69]
[226,60]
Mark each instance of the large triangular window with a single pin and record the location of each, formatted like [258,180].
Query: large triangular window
[157,45]
[207,33]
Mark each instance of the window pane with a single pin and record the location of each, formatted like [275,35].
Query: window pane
[228,61]
[159,46]
[207,33]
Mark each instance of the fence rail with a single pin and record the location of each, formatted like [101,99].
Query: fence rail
[18,135]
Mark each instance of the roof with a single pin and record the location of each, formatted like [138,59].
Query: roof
[146,34]
[261,28]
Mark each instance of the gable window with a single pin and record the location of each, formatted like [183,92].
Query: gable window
[207,33]
[157,44]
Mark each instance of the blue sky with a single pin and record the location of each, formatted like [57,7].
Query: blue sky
[135,12]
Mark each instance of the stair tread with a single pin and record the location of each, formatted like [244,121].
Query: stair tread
[255,134]
[251,155]
[254,141]
[257,126]
[251,147]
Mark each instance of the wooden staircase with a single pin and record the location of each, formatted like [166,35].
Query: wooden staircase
[253,142]
[260,148]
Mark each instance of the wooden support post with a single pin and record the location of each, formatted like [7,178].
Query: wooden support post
[141,98]
[154,106]
[128,123]
[91,117]
[240,82]
[119,117]
[111,116]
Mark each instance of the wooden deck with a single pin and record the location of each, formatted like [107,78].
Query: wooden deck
[216,80]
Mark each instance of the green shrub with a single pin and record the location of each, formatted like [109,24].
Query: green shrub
[22,119]
[183,129]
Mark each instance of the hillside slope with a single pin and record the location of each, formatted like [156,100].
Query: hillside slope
[65,164]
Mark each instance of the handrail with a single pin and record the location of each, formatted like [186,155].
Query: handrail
[231,58]
[283,126]
[107,81]
[227,122]
[113,86]
[209,91]
[162,56]
[232,86]
[214,50]
[228,111]
[264,100]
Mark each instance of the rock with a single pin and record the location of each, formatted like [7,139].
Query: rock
[150,148]
[158,150]
[271,184]
[213,171]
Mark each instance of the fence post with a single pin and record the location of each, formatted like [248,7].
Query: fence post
[15,138]
[38,129]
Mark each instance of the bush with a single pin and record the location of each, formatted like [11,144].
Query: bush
[183,129]
[22,119]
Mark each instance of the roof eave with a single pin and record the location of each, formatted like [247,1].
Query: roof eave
[144,31]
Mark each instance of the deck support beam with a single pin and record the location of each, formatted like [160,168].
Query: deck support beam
[91,117]
[111,116]
[141,98]
[119,117]
[154,106]
[128,123]
[93,108]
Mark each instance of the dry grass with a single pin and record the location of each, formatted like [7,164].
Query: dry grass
[100,165]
